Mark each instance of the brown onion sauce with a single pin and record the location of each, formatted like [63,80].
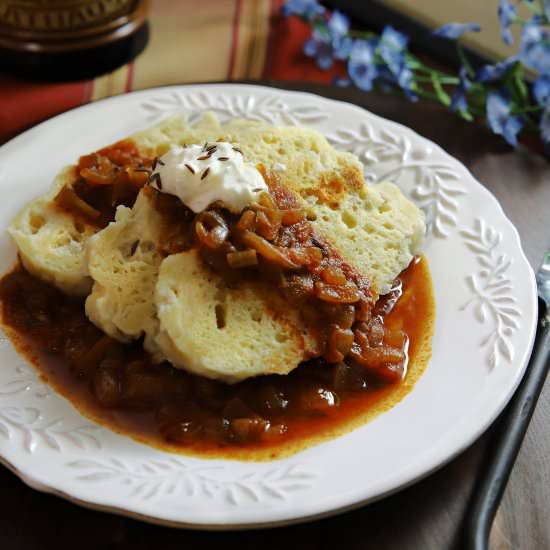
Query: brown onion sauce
[52,331]
[103,180]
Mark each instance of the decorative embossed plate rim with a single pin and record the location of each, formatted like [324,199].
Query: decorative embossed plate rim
[486,315]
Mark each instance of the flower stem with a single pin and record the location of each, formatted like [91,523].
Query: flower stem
[361,34]
[464,60]
[527,109]
[426,95]
[417,65]
[543,12]
[453,80]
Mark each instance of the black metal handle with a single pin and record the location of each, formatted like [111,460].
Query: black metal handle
[504,447]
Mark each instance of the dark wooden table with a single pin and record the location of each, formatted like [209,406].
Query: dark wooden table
[425,516]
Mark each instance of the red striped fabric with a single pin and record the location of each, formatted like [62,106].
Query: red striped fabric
[25,103]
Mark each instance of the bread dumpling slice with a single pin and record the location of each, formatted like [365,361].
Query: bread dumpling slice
[223,333]
[123,261]
[51,242]
[377,230]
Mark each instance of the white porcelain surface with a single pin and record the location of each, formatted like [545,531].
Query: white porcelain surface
[486,313]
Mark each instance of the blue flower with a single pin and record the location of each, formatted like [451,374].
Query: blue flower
[544,126]
[506,15]
[361,65]
[455,30]
[391,48]
[334,45]
[404,81]
[338,24]
[500,119]
[488,73]
[320,47]
[302,8]
[535,48]
[541,90]
[342,47]
[458,101]
[338,27]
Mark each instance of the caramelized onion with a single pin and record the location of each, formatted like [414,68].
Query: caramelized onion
[339,344]
[363,308]
[290,217]
[347,378]
[342,315]
[375,333]
[181,432]
[274,254]
[266,200]
[69,200]
[285,217]
[95,177]
[274,216]
[247,220]
[243,258]
[307,255]
[318,400]
[377,357]
[211,229]
[248,429]
[333,276]
[348,294]
[297,287]
[137,177]
[88,161]
[395,338]
[265,227]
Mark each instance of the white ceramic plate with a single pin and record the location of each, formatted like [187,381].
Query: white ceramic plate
[486,314]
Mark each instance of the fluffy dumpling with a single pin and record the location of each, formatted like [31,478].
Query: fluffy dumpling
[51,243]
[222,333]
[377,230]
[123,262]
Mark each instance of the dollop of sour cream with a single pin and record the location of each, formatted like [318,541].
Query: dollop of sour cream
[200,175]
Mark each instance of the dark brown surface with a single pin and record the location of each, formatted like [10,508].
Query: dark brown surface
[424,516]
[60,26]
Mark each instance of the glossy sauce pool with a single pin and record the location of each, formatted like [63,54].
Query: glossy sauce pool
[414,313]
